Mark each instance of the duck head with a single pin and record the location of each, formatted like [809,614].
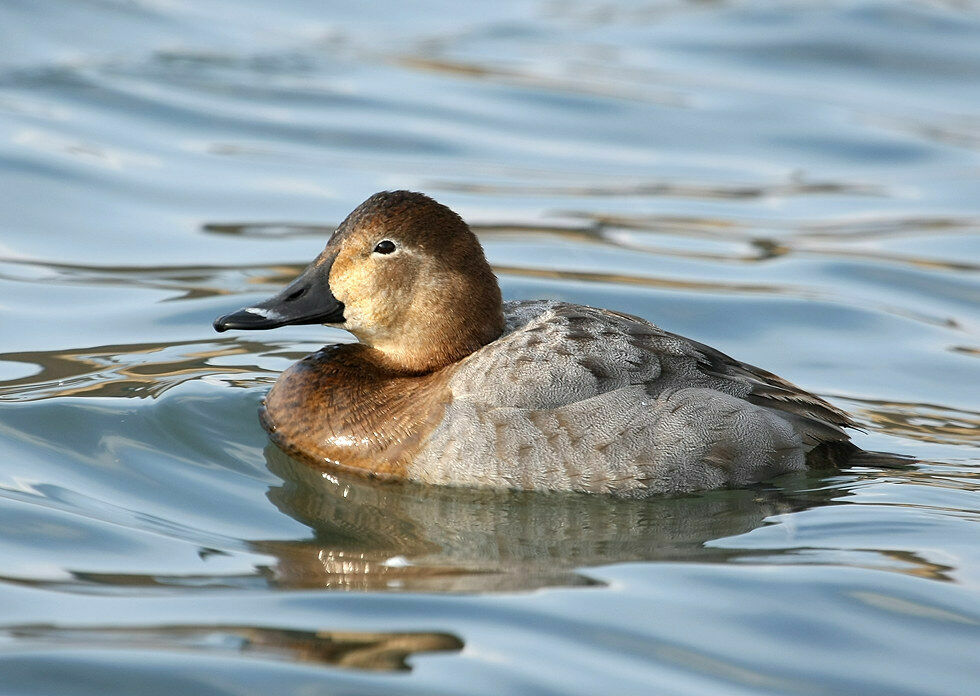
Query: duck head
[402,273]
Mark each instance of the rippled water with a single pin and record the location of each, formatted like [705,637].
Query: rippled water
[797,184]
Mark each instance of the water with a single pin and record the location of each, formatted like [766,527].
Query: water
[794,183]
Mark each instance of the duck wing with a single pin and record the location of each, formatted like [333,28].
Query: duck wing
[554,354]
[818,420]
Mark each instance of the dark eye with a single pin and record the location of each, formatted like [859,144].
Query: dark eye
[384,247]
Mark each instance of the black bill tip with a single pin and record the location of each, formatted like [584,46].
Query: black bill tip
[248,318]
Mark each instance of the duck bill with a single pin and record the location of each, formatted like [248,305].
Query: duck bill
[307,300]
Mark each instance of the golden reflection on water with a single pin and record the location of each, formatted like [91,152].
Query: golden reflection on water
[130,370]
[921,568]
[350,649]
[184,282]
[792,187]
[806,240]
[923,422]
[600,86]
[915,565]
[269,230]
[645,281]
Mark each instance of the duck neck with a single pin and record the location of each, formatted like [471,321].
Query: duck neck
[342,407]
[434,336]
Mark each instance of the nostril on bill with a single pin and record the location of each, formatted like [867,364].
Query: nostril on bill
[295,295]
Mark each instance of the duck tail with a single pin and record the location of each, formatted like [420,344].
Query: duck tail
[880,460]
[840,455]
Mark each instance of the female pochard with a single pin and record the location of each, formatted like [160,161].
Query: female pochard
[449,385]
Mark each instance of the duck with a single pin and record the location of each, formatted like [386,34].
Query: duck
[449,385]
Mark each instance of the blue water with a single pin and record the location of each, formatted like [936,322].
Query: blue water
[797,184]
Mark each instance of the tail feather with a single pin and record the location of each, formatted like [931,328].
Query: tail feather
[839,455]
[881,460]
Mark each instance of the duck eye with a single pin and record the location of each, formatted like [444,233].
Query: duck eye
[384,247]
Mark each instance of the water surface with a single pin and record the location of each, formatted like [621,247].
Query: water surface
[794,183]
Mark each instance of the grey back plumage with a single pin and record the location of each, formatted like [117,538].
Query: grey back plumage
[578,398]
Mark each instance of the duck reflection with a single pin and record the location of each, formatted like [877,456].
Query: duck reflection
[351,649]
[370,536]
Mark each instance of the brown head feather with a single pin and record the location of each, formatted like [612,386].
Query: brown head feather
[432,301]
